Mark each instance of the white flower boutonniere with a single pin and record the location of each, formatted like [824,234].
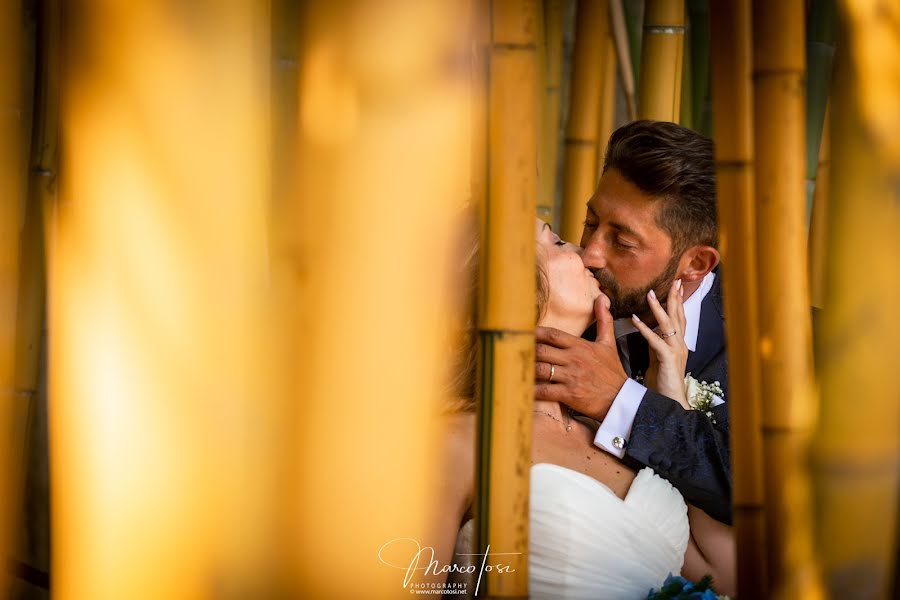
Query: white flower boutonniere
[700,395]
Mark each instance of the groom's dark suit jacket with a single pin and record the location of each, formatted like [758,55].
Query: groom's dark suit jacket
[684,446]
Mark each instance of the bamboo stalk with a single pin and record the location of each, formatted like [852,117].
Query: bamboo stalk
[25,436]
[818,227]
[633,15]
[12,169]
[582,130]
[662,54]
[731,70]
[606,119]
[553,64]
[480,64]
[789,409]
[159,379]
[857,445]
[42,187]
[627,50]
[383,124]
[686,114]
[820,29]
[506,317]
[698,42]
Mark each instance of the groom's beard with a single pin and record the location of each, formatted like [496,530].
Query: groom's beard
[624,303]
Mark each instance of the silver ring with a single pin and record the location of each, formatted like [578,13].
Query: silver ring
[667,335]
[552,371]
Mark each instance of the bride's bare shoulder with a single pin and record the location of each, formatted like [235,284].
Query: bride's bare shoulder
[457,430]
[456,445]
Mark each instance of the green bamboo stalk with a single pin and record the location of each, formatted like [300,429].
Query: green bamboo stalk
[820,42]
[698,43]
[818,223]
[624,56]
[634,20]
[686,114]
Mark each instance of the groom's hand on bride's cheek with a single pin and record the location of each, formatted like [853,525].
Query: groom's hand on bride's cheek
[586,375]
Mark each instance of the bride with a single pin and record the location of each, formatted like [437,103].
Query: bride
[598,529]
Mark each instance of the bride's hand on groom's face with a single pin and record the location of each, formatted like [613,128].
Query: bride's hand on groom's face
[586,376]
[669,352]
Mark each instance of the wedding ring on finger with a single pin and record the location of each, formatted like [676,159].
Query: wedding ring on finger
[663,336]
[552,371]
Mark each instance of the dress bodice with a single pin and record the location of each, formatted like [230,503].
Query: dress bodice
[586,542]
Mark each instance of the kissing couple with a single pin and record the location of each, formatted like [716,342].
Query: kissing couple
[629,480]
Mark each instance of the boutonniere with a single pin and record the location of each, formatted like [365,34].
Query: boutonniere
[700,395]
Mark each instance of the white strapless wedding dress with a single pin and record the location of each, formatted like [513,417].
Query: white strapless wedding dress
[586,542]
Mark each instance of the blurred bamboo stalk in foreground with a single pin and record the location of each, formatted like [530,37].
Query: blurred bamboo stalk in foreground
[12,192]
[732,97]
[159,376]
[662,55]
[857,445]
[358,264]
[580,160]
[788,396]
[506,315]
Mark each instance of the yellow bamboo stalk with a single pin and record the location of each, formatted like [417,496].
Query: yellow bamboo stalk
[506,316]
[662,54]
[158,363]
[550,114]
[606,120]
[580,161]
[12,168]
[857,444]
[383,126]
[818,227]
[732,96]
[788,396]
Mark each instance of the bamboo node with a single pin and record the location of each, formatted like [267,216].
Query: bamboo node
[664,29]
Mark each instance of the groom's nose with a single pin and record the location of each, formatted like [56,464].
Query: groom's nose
[594,253]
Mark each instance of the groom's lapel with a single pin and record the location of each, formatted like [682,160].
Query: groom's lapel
[711,332]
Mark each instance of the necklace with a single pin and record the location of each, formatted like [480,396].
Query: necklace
[567,424]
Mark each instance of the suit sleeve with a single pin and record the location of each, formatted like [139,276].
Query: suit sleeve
[687,448]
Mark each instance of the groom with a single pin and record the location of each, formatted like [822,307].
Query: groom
[652,220]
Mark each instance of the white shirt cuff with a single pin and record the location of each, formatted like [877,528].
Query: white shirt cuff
[615,429]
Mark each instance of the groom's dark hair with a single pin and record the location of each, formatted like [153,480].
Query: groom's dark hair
[675,164]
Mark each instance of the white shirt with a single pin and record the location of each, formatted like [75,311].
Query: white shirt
[620,418]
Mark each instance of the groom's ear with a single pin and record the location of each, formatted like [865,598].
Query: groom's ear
[697,262]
